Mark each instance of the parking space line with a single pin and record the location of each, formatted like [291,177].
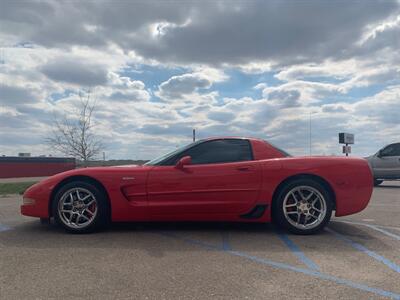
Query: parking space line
[283,266]
[376,227]
[225,241]
[363,249]
[296,251]
[360,223]
[318,274]
[4,227]
[385,232]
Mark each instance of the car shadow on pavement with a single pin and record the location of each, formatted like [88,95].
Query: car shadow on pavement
[157,239]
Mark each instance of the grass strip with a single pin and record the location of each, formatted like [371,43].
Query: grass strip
[10,188]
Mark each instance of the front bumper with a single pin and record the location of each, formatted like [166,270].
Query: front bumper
[36,202]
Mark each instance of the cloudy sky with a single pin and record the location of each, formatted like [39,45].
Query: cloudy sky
[160,68]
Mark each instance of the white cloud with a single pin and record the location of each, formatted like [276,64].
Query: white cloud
[382,108]
[183,85]
[75,72]
[299,92]
[198,54]
[188,86]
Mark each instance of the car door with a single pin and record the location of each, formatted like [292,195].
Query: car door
[387,162]
[223,178]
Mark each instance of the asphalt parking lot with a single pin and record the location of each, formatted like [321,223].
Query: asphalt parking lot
[356,257]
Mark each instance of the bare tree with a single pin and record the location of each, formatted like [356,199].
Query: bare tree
[73,136]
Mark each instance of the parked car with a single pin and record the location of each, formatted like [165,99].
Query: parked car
[385,163]
[216,179]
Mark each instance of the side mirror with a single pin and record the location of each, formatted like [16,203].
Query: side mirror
[186,160]
[379,154]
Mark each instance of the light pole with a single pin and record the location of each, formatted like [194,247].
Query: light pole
[310,133]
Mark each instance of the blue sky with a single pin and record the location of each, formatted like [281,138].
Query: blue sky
[159,69]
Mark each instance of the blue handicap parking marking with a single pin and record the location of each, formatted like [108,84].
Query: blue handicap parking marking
[4,227]
[317,274]
[225,241]
[365,250]
[296,251]
[311,270]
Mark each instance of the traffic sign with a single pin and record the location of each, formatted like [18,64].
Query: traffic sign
[346,138]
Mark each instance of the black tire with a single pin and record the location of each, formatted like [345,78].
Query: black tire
[278,213]
[101,218]
[377,182]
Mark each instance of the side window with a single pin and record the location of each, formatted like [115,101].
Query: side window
[391,150]
[397,150]
[219,151]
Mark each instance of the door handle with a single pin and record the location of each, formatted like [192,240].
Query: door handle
[247,168]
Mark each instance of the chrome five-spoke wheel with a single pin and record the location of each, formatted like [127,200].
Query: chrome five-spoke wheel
[81,206]
[304,207]
[77,208]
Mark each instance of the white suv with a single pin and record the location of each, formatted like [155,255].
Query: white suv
[385,164]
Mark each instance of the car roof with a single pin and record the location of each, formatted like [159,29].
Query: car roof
[230,137]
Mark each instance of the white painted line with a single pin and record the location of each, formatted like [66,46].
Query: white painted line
[365,250]
[365,224]
[395,236]
[383,205]
[379,228]
[283,266]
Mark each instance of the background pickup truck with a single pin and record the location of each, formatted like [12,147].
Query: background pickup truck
[385,164]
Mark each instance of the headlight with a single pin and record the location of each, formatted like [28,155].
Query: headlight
[28,201]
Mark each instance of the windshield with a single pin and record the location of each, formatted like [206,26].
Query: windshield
[160,159]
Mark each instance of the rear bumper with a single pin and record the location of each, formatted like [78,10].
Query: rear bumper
[354,192]
[351,204]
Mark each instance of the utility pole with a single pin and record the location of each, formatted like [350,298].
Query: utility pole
[194,135]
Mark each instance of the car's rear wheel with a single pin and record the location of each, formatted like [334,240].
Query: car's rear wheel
[80,207]
[303,206]
[377,182]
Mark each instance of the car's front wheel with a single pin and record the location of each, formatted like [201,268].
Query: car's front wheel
[80,207]
[303,206]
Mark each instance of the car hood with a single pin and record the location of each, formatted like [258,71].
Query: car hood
[92,172]
[123,166]
[107,169]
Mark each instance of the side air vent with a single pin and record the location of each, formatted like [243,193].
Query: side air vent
[256,212]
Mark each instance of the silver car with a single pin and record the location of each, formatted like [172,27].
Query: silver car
[385,164]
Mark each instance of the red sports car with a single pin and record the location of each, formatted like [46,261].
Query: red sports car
[216,179]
